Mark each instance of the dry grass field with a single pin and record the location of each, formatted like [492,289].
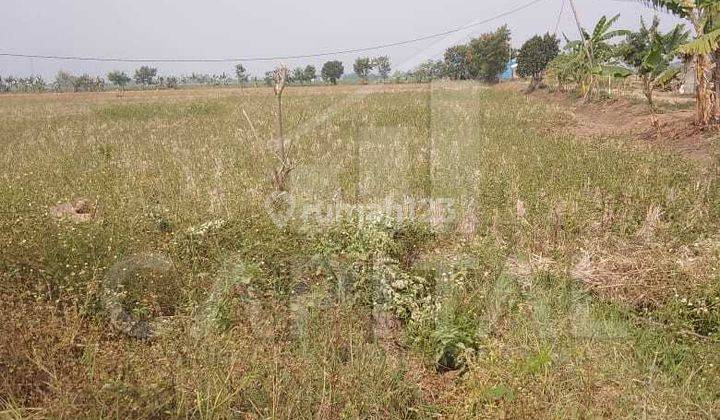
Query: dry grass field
[444,250]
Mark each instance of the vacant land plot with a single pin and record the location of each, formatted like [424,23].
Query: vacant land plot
[443,249]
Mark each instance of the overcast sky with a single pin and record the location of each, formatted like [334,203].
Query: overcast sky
[236,28]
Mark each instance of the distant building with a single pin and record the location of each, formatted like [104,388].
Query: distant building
[510,71]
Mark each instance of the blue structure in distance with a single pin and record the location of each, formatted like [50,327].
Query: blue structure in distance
[510,70]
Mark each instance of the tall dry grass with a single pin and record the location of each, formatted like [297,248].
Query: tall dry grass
[577,278]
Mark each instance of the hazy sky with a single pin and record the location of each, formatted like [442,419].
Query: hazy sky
[236,28]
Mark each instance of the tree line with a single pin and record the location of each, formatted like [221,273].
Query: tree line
[147,77]
[483,58]
[602,52]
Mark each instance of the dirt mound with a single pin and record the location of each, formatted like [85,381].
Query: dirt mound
[678,132]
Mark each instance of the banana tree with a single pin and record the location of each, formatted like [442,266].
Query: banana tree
[651,52]
[594,54]
[656,73]
[706,48]
[704,15]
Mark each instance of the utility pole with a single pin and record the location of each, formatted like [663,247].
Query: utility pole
[580,30]
[587,89]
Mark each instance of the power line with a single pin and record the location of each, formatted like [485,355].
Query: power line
[562,9]
[273,58]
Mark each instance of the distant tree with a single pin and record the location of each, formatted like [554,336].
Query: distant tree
[38,84]
[490,54]
[297,75]
[241,73]
[428,71]
[170,82]
[457,62]
[10,83]
[269,78]
[534,57]
[145,75]
[223,79]
[14,83]
[310,73]
[119,78]
[87,83]
[382,64]
[332,71]
[64,81]
[400,77]
[362,67]
[22,84]
[193,79]
[207,79]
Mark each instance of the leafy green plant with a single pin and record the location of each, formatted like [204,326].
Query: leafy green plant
[454,336]
[594,55]
[651,53]
[564,70]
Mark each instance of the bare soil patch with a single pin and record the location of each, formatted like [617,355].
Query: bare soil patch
[80,211]
[435,388]
[672,130]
